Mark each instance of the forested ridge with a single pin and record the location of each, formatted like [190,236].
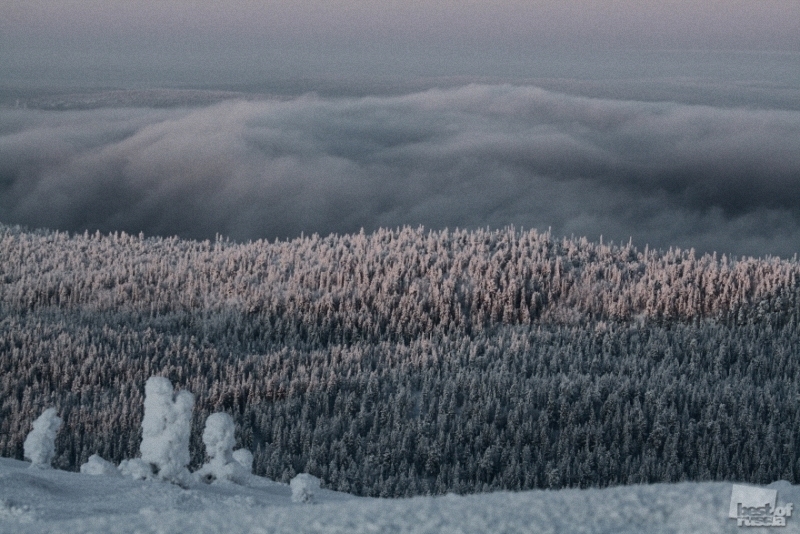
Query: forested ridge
[409,361]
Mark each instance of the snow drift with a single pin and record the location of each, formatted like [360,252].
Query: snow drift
[36,501]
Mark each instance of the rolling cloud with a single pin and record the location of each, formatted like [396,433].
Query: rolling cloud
[713,178]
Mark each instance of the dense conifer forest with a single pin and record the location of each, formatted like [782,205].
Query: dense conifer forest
[407,361]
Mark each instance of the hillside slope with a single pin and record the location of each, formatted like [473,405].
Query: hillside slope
[408,362]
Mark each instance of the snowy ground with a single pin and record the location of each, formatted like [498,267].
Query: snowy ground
[39,500]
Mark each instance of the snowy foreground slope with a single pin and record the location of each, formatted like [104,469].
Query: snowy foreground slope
[48,500]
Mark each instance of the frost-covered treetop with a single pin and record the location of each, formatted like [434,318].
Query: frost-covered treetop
[392,282]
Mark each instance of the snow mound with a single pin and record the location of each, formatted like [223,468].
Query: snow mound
[304,486]
[136,468]
[98,466]
[40,444]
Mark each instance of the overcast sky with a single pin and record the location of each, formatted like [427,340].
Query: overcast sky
[120,40]
[759,24]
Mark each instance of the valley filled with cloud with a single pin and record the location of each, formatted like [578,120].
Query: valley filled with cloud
[715,178]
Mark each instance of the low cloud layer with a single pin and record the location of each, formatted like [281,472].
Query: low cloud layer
[724,179]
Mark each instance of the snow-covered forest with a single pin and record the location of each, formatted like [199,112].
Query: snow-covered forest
[407,361]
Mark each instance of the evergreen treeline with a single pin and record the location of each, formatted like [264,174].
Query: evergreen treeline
[407,362]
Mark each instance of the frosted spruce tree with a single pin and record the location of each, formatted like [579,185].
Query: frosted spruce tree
[166,429]
[224,463]
[40,445]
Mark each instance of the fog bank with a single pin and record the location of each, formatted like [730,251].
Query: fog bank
[713,178]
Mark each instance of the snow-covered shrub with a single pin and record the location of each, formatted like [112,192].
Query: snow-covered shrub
[219,439]
[98,466]
[40,445]
[136,468]
[245,459]
[303,488]
[165,429]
